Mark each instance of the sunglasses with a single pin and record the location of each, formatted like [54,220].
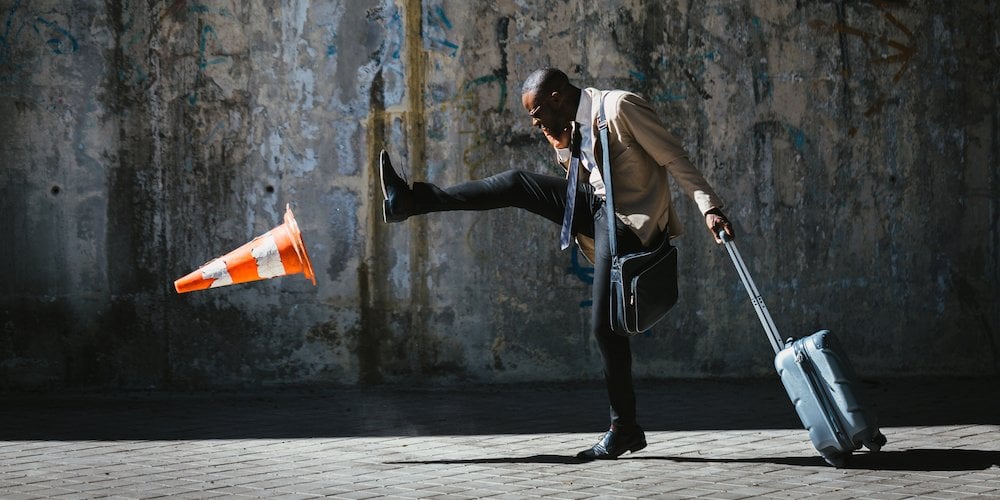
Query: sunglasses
[533,113]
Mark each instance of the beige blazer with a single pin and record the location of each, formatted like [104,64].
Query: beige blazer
[642,152]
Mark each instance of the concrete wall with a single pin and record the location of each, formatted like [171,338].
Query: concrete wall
[856,144]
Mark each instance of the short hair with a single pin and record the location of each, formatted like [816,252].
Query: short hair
[545,81]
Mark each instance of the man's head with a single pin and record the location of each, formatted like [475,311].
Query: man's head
[550,100]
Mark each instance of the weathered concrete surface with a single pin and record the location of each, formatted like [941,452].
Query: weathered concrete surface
[856,143]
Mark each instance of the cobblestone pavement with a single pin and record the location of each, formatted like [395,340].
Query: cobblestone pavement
[706,439]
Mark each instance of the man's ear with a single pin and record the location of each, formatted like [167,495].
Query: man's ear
[556,98]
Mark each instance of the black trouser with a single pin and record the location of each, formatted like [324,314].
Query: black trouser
[545,195]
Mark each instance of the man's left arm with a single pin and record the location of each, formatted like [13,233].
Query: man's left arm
[642,123]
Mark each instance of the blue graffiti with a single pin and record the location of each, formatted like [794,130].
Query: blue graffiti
[396,24]
[437,24]
[203,61]
[487,80]
[7,37]
[55,43]
[442,45]
[13,62]
[798,137]
[199,8]
[439,11]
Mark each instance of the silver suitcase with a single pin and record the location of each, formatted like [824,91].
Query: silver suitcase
[819,381]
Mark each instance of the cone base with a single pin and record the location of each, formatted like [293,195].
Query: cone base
[299,244]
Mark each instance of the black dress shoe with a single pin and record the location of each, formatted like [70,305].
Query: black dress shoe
[398,204]
[614,443]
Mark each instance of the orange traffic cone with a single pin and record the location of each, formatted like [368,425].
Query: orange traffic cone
[278,252]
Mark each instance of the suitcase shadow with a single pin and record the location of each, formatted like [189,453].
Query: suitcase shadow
[919,460]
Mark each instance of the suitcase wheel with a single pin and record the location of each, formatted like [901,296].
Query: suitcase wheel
[839,461]
[876,442]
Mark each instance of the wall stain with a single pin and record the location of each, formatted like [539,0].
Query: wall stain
[416,129]
[635,33]
[329,333]
[374,269]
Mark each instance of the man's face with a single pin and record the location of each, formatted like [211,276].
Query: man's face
[545,111]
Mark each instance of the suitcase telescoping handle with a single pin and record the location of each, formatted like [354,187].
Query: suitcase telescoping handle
[755,298]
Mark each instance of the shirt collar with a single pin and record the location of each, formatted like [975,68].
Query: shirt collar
[583,111]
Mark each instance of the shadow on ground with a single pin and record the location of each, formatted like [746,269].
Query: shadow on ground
[903,460]
[513,409]
[916,460]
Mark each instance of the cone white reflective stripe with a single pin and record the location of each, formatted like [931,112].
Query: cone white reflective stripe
[268,259]
[217,272]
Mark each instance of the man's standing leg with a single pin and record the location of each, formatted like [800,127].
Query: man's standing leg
[625,433]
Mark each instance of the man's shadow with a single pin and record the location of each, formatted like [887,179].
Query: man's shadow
[906,460]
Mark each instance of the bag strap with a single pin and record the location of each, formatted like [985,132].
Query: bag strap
[609,204]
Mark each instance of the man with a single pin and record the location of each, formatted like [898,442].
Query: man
[642,152]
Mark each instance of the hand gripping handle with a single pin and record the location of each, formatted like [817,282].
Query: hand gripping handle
[755,298]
